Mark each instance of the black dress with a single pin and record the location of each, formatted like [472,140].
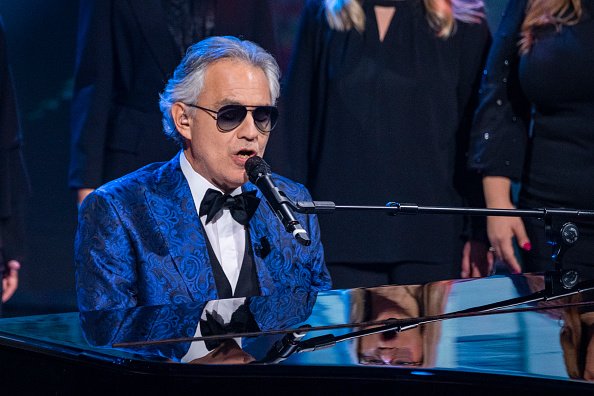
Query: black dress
[535,124]
[367,122]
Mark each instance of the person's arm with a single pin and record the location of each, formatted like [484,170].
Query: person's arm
[10,280]
[12,224]
[502,230]
[14,183]
[476,261]
[261,25]
[288,151]
[91,101]
[498,137]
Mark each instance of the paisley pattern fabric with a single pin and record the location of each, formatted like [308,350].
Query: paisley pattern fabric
[140,242]
[284,309]
[107,327]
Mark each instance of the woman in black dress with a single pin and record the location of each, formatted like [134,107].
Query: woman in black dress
[375,110]
[535,124]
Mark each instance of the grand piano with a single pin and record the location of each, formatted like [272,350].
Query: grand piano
[496,335]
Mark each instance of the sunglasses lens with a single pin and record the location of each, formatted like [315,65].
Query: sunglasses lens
[265,117]
[229,117]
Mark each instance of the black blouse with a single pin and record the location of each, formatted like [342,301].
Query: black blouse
[552,151]
[367,122]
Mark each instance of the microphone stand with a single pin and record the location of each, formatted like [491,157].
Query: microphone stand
[558,283]
[395,208]
[555,281]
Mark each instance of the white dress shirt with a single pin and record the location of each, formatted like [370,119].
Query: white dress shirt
[222,310]
[226,236]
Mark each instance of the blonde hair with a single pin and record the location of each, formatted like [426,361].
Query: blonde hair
[547,12]
[416,300]
[442,15]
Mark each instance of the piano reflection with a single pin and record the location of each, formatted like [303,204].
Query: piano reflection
[490,335]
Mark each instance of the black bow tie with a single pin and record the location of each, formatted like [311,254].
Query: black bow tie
[242,206]
[242,321]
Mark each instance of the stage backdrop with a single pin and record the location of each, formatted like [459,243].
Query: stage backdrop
[41,38]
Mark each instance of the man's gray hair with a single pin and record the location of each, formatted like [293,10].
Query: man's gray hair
[188,79]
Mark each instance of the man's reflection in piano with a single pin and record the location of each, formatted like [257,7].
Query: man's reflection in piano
[413,347]
[169,324]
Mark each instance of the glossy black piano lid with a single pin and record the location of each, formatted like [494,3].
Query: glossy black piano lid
[545,350]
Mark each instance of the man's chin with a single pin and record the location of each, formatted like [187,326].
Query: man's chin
[230,184]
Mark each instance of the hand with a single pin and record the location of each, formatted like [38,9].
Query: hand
[82,193]
[501,231]
[228,352]
[10,280]
[477,260]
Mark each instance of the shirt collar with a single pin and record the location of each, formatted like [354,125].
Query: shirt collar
[198,183]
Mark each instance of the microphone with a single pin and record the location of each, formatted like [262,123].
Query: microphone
[259,173]
[285,347]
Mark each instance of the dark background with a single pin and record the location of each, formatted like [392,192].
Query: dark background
[41,39]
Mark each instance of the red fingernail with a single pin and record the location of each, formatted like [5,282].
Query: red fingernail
[527,246]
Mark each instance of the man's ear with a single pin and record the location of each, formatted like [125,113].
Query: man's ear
[181,119]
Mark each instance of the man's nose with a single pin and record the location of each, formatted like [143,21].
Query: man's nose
[386,355]
[247,129]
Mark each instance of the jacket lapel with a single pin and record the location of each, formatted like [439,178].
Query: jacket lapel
[170,201]
[266,242]
[151,19]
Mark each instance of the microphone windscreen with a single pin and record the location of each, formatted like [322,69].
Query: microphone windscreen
[256,166]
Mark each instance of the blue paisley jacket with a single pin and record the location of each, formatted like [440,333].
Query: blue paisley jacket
[140,242]
[160,322]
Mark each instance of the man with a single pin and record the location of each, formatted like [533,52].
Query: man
[13,182]
[151,238]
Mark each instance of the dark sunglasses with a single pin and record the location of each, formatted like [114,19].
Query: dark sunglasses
[230,117]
